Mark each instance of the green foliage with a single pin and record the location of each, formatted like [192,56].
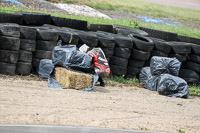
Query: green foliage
[113,80]
[180,131]
[194,90]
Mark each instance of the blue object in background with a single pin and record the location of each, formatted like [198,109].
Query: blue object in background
[158,20]
[14,2]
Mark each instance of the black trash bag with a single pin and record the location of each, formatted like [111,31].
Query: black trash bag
[68,56]
[172,86]
[161,65]
[147,79]
[45,68]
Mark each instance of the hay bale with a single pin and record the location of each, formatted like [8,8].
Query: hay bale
[72,79]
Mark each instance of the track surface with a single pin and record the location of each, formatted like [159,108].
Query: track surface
[194,4]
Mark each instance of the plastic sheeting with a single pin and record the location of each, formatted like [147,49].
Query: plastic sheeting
[172,86]
[161,65]
[68,56]
[72,59]
[163,81]
[147,79]
[45,68]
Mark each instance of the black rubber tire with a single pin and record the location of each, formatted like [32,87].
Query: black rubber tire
[192,81]
[67,22]
[195,49]
[140,55]
[35,18]
[165,35]
[11,18]
[10,30]
[181,58]
[133,71]
[68,37]
[9,43]
[188,39]
[118,70]
[101,27]
[131,32]
[41,54]
[118,61]
[25,56]
[195,58]
[87,38]
[143,43]
[123,42]
[27,45]
[125,30]
[8,56]
[180,47]
[47,35]
[192,66]
[187,73]
[158,53]
[7,68]
[136,63]
[23,68]
[108,52]
[105,41]
[161,45]
[28,33]
[45,45]
[122,52]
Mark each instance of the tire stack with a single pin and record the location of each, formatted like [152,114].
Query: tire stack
[140,55]
[161,48]
[87,38]
[9,47]
[68,36]
[67,22]
[180,50]
[160,34]
[46,40]
[121,55]
[191,68]
[27,47]
[106,43]
[101,27]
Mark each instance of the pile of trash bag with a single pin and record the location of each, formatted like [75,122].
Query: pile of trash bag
[69,57]
[162,76]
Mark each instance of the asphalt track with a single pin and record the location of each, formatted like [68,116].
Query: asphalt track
[193,4]
[8,128]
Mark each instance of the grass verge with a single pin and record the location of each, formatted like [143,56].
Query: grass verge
[182,30]
[142,8]
[114,80]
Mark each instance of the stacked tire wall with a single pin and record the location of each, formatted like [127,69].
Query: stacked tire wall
[127,49]
[9,48]
[27,47]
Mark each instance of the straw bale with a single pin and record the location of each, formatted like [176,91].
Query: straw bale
[71,79]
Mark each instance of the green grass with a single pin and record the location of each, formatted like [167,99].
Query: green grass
[114,80]
[143,8]
[194,90]
[183,30]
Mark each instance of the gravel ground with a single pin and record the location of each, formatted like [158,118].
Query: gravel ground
[28,101]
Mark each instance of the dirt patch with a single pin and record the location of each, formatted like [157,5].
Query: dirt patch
[32,102]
